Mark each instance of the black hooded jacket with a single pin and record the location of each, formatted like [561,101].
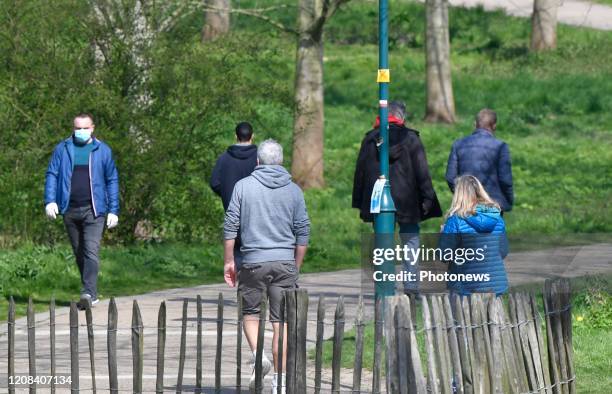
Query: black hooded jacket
[234,164]
[411,188]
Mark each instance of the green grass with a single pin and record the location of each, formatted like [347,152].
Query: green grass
[592,335]
[603,2]
[555,111]
[42,272]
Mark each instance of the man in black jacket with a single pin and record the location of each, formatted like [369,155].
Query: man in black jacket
[411,188]
[234,164]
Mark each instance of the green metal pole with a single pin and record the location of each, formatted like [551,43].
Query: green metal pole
[384,222]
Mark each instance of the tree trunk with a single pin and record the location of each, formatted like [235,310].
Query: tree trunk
[217,22]
[544,25]
[440,101]
[307,161]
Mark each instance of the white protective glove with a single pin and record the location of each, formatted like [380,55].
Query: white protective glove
[51,210]
[111,220]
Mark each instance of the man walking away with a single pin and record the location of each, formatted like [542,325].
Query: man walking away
[485,157]
[82,184]
[237,162]
[269,212]
[411,188]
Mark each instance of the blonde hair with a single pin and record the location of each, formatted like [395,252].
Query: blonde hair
[468,194]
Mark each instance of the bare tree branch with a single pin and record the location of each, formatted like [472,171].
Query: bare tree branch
[258,13]
[328,9]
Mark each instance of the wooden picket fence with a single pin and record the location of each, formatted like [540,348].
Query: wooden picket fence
[479,344]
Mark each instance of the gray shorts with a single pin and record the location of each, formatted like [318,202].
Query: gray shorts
[272,277]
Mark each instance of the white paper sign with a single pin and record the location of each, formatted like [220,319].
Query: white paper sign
[377,195]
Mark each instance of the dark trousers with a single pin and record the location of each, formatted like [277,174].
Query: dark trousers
[85,233]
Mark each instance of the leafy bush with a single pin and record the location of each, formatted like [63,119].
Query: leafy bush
[166,114]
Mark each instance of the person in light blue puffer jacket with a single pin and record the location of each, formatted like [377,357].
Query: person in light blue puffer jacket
[474,222]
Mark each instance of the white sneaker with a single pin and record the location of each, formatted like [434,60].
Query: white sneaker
[266,366]
[275,383]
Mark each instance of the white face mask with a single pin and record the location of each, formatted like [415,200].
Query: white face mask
[82,135]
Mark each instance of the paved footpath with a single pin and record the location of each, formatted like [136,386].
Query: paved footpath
[526,267]
[571,12]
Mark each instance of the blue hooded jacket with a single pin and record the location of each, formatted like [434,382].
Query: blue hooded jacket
[103,178]
[484,230]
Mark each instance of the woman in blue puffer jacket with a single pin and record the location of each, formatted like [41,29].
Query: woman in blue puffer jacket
[474,222]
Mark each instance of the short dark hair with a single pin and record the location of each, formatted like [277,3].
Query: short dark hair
[244,131]
[486,118]
[85,115]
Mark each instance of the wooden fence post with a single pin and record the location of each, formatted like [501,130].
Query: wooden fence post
[477,384]
[378,338]
[337,349]
[291,316]
[11,345]
[514,383]
[90,340]
[558,316]
[161,346]
[440,336]
[52,341]
[533,311]
[564,293]
[432,367]
[198,386]
[219,343]
[453,340]
[31,344]
[416,368]
[74,348]
[137,348]
[261,328]
[524,342]
[319,343]
[239,323]
[359,331]
[522,370]
[529,318]
[302,325]
[111,343]
[181,367]
[462,342]
[409,371]
[282,346]
[296,304]
[496,346]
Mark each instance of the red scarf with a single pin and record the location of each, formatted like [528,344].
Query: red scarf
[392,120]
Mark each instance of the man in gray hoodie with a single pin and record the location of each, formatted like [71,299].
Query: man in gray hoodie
[268,211]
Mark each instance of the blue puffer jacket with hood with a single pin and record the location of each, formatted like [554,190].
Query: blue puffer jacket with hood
[484,230]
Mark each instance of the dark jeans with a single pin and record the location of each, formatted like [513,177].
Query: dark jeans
[85,232]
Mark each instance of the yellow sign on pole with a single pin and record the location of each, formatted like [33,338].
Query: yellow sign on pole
[383,76]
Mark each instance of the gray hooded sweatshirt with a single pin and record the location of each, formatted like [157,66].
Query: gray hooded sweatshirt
[270,212]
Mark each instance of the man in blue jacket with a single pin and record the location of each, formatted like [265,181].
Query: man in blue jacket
[485,157]
[82,184]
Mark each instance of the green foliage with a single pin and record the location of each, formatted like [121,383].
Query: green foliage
[593,306]
[167,109]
